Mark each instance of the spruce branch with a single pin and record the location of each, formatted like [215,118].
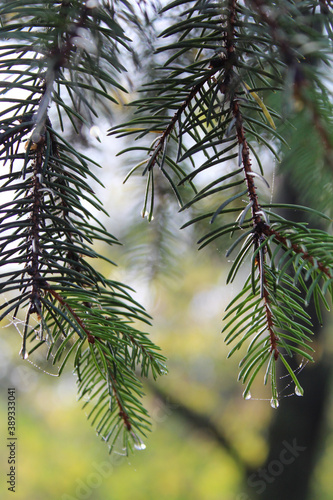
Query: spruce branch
[68,59]
[262,229]
[160,144]
[258,223]
[215,102]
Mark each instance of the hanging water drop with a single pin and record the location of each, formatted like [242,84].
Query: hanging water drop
[23,353]
[274,403]
[95,132]
[92,4]
[247,395]
[140,446]
[298,391]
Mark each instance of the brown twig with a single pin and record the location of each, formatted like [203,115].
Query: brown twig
[91,338]
[298,250]
[160,143]
[259,224]
[122,412]
[34,266]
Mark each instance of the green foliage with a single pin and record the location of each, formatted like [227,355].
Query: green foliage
[67,54]
[219,64]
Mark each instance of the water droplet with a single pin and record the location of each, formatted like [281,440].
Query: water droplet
[92,4]
[274,403]
[147,214]
[24,354]
[140,446]
[247,395]
[84,41]
[95,132]
[298,391]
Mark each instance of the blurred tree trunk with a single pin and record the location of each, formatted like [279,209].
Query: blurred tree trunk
[299,422]
[296,432]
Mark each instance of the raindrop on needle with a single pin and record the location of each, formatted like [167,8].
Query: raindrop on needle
[274,403]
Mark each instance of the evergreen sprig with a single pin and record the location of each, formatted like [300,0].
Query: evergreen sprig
[217,65]
[221,67]
[65,57]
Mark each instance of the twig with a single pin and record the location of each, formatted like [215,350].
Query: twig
[258,223]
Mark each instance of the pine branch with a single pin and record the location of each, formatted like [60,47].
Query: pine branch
[68,59]
[220,115]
